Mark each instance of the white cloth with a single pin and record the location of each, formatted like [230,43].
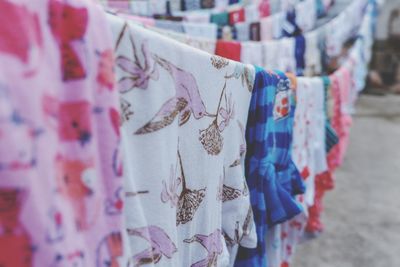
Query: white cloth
[278,20]
[270,52]
[282,239]
[309,154]
[251,53]
[175,5]
[206,45]
[287,60]
[204,30]
[242,31]
[267,28]
[185,147]
[251,13]
[221,3]
[198,17]
[306,15]
[157,6]
[140,8]
[312,55]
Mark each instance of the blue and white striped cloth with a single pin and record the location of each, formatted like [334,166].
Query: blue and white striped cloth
[271,175]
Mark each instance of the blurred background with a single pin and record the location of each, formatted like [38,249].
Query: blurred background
[362,216]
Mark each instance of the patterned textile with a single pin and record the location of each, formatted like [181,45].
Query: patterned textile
[61,193]
[187,200]
[271,175]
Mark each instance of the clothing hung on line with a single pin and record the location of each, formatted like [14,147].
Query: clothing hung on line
[190,168]
[60,167]
[272,177]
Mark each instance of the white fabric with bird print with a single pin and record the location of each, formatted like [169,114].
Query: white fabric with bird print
[187,111]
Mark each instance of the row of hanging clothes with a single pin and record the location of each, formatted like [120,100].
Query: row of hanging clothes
[122,146]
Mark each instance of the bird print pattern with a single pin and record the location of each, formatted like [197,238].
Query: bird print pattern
[190,129]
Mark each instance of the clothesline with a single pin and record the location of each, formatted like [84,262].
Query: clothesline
[307,55]
[205,159]
[244,23]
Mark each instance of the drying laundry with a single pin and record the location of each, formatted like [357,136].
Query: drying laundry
[195,137]
[60,161]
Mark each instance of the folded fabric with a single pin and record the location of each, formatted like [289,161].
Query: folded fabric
[272,178]
[60,161]
[229,49]
[196,202]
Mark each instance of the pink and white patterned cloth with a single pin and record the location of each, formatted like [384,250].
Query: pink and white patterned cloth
[60,186]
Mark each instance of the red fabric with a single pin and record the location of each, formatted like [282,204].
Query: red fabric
[236,16]
[228,49]
[20,30]
[323,183]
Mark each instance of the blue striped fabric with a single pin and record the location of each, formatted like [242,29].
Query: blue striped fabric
[272,177]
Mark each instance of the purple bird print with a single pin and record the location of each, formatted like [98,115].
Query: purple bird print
[139,73]
[185,103]
[160,245]
[212,243]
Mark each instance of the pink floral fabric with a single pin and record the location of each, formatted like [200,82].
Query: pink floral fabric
[60,187]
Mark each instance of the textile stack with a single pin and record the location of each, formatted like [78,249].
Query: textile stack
[172,133]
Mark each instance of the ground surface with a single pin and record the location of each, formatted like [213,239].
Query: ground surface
[362,215]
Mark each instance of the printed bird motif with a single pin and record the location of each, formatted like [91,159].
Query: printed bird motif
[186,102]
[160,242]
[139,73]
[212,243]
